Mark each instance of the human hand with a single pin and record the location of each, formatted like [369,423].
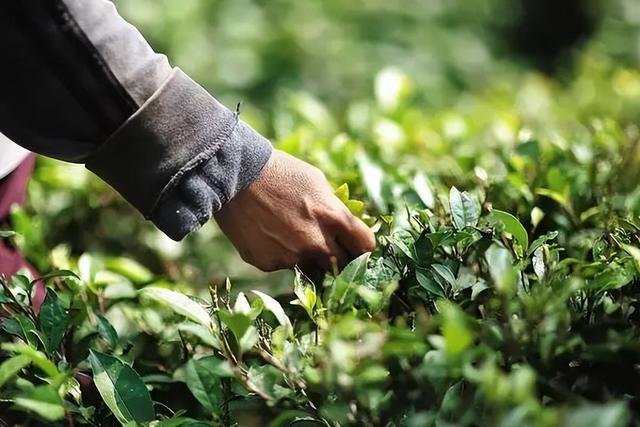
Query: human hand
[290,216]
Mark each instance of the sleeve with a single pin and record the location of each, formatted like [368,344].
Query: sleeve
[80,84]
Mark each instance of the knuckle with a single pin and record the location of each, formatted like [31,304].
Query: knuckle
[334,215]
[345,217]
[299,234]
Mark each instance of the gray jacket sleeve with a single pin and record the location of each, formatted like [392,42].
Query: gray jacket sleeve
[80,84]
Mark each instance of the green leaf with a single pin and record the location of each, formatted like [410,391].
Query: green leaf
[53,321]
[203,378]
[274,306]
[306,294]
[202,333]
[58,273]
[44,401]
[22,281]
[121,388]
[478,287]
[237,322]
[182,422]
[614,276]
[356,207]
[373,177]
[355,271]
[342,193]
[561,199]
[130,269]
[249,339]
[265,378]
[422,187]
[88,268]
[179,303]
[353,274]
[11,367]
[635,254]
[106,331]
[513,227]
[445,273]
[455,331]
[500,264]
[242,305]
[37,358]
[405,242]
[541,241]
[464,210]
[426,280]
[7,233]
[22,327]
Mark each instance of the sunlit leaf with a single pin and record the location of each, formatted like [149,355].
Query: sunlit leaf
[513,227]
[44,401]
[353,274]
[274,307]
[11,367]
[204,334]
[179,303]
[237,322]
[464,210]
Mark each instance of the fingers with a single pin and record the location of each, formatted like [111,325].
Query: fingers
[353,234]
[339,256]
[325,254]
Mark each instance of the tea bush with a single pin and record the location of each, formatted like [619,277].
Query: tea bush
[503,290]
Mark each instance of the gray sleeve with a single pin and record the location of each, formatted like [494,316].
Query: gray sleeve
[81,84]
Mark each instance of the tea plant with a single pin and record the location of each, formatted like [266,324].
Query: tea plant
[464,315]
[503,290]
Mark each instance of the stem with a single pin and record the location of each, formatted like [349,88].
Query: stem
[101,302]
[242,378]
[279,366]
[226,391]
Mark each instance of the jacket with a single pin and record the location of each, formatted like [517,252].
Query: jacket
[80,84]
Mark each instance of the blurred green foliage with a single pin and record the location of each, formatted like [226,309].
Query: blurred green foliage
[504,289]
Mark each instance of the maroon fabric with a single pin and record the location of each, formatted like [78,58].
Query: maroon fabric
[13,189]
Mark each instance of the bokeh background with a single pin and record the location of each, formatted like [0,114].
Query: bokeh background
[323,78]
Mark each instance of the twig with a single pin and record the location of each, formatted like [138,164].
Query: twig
[269,358]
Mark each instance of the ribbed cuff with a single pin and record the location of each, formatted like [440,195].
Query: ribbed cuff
[181,156]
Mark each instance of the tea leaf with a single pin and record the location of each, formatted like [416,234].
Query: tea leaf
[106,331]
[11,367]
[53,320]
[121,388]
[274,306]
[463,209]
[43,401]
[179,303]
[203,377]
[513,227]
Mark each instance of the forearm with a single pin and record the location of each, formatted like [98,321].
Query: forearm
[80,84]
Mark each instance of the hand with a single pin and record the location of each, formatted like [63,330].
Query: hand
[289,216]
